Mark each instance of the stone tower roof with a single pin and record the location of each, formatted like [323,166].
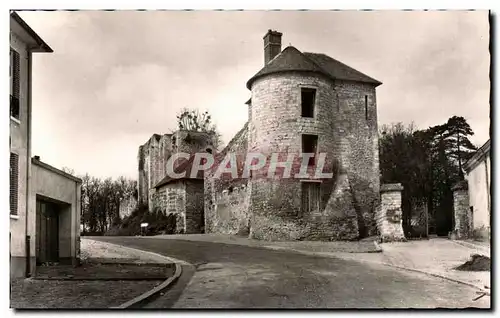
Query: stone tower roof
[291,59]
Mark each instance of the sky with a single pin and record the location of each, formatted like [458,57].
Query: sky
[115,78]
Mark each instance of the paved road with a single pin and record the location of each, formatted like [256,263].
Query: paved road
[232,276]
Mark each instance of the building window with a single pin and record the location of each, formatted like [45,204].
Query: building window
[310,197]
[308,97]
[14,84]
[366,107]
[309,145]
[14,182]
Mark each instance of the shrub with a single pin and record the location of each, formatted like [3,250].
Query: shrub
[158,223]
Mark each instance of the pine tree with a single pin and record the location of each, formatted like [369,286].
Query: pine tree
[460,148]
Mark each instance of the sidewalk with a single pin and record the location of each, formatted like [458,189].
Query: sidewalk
[479,247]
[94,251]
[437,257]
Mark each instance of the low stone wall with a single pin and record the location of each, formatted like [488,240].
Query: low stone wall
[388,213]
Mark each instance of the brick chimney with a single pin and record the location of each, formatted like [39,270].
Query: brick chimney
[272,45]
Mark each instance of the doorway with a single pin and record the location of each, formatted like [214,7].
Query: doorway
[47,231]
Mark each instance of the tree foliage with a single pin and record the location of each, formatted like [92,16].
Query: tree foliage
[100,201]
[193,120]
[427,163]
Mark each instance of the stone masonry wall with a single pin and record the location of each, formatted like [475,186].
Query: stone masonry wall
[152,159]
[388,213]
[192,141]
[463,217]
[356,126]
[195,218]
[277,125]
[171,199]
[227,212]
[155,153]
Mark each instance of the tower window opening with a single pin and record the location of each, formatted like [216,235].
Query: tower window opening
[308,98]
[309,145]
[366,107]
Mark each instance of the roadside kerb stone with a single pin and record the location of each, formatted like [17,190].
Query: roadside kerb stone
[137,301]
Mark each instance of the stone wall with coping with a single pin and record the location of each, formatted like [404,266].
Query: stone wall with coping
[462,213]
[388,214]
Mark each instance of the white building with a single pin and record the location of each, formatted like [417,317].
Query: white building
[478,175]
[44,201]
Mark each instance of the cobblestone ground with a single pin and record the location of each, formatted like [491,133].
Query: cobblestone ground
[38,293]
[57,294]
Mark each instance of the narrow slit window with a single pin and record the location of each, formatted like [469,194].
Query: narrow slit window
[308,99]
[309,145]
[14,84]
[366,107]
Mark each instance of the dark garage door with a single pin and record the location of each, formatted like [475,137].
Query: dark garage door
[47,231]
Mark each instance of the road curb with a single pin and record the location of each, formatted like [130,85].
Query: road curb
[162,287]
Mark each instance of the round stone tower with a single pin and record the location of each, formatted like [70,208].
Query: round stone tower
[309,103]
[291,112]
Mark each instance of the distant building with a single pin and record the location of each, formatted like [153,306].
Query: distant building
[182,197]
[44,201]
[478,175]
